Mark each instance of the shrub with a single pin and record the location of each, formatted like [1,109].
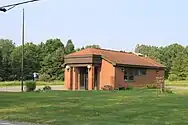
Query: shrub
[47,88]
[39,90]
[129,87]
[122,88]
[152,86]
[167,90]
[30,86]
[44,77]
[173,77]
[107,88]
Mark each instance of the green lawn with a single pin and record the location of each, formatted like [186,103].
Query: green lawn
[17,83]
[135,107]
[177,83]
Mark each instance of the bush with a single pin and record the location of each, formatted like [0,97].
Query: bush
[129,87]
[122,88]
[30,86]
[107,88]
[152,86]
[44,77]
[173,77]
[167,90]
[39,90]
[47,88]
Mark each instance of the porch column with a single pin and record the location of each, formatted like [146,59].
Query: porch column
[68,78]
[98,78]
[90,77]
[78,80]
[75,78]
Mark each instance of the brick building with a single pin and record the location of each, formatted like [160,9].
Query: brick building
[92,69]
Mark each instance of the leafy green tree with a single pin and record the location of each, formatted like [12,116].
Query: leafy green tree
[50,46]
[1,66]
[52,65]
[69,48]
[89,46]
[180,66]
[31,60]
[6,48]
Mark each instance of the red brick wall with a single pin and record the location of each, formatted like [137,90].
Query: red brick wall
[139,81]
[68,79]
[107,74]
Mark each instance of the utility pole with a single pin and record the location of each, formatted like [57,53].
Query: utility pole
[7,8]
[23,40]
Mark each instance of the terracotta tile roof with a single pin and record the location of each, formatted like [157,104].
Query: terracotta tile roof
[117,57]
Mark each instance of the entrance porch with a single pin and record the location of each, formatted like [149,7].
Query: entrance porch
[82,77]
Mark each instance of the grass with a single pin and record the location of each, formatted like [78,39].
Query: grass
[17,83]
[134,107]
[177,83]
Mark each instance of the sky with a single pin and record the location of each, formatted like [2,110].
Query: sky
[113,24]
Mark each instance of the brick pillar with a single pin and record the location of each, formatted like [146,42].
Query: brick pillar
[91,78]
[75,78]
[68,78]
[78,80]
[98,78]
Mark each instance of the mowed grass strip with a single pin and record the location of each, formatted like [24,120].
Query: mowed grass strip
[135,107]
[18,83]
[177,83]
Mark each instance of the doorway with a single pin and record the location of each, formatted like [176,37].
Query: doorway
[84,78]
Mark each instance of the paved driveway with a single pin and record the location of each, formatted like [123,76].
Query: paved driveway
[18,88]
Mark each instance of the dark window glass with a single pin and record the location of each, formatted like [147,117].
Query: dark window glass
[129,74]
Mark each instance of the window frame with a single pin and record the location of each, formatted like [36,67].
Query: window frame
[133,72]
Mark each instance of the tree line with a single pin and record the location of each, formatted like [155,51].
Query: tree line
[174,57]
[45,58]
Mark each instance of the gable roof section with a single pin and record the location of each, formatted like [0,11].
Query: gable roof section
[119,58]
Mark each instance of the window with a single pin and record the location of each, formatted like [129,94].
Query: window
[129,74]
[141,72]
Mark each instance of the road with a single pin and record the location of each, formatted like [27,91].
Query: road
[18,88]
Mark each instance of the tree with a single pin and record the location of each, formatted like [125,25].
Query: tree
[89,46]
[6,48]
[180,66]
[69,48]
[52,65]
[50,46]
[31,60]
[1,66]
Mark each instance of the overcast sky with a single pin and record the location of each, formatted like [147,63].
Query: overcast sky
[113,24]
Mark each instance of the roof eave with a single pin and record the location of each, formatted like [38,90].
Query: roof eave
[136,66]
